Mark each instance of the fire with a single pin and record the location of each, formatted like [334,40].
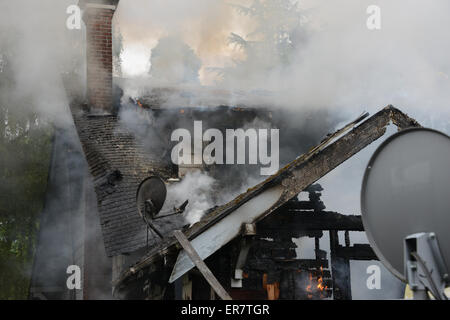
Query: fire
[317,284]
[320,284]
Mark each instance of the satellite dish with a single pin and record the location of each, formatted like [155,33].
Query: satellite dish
[406,191]
[150,197]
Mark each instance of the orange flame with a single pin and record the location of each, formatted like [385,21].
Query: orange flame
[320,286]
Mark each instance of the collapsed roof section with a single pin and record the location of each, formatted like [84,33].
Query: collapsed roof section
[225,223]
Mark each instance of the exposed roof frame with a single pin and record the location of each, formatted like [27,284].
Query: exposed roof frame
[292,179]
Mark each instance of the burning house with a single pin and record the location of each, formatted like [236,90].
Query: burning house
[130,242]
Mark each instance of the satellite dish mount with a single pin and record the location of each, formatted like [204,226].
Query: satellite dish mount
[150,199]
[425,268]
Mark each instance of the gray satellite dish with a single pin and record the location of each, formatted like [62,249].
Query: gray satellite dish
[406,191]
[150,197]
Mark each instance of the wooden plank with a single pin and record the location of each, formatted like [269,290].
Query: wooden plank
[356,252]
[273,291]
[325,220]
[221,233]
[186,291]
[201,266]
[265,264]
[340,271]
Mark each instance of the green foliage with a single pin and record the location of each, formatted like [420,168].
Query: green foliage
[174,62]
[271,45]
[25,143]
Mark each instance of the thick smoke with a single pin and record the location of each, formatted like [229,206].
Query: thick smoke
[195,187]
[39,53]
[204,25]
[39,50]
[337,63]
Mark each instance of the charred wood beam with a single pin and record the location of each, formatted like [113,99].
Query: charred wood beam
[341,279]
[289,232]
[356,252]
[325,220]
[301,205]
[340,270]
[267,264]
[201,266]
[309,168]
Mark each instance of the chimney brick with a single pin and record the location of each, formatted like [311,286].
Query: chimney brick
[98,17]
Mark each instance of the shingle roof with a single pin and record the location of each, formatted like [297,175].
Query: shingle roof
[118,162]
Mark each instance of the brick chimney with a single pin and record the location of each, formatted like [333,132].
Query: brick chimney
[97,15]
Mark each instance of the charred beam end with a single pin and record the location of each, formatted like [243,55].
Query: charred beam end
[319,164]
[296,176]
[356,252]
[266,264]
[325,220]
[401,120]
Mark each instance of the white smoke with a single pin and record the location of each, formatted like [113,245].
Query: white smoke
[39,50]
[195,187]
[339,63]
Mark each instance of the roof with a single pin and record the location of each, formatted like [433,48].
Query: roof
[121,151]
[118,162]
[62,217]
[292,179]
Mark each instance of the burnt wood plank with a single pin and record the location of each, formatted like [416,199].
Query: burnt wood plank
[357,252]
[201,266]
[306,221]
[340,271]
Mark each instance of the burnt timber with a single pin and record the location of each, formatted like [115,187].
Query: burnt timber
[292,179]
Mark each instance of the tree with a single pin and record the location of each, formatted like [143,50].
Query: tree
[25,140]
[270,47]
[174,62]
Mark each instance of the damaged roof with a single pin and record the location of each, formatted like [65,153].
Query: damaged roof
[292,179]
[120,157]
[118,162]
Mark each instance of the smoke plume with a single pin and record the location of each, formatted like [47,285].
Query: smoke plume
[336,63]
